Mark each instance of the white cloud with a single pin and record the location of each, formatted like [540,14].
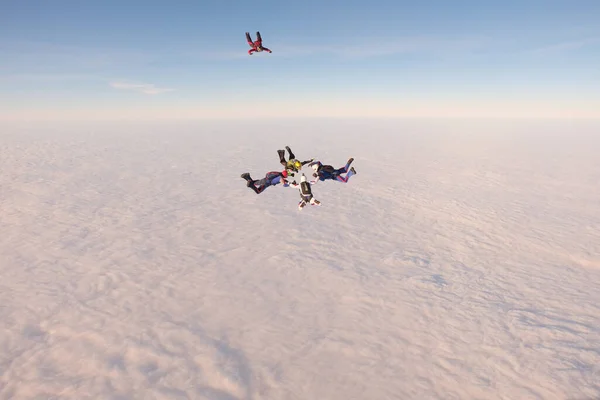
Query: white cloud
[145,88]
[468,262]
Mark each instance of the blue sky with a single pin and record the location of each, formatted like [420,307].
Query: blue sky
[188,59]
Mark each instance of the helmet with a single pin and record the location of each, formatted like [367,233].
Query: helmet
[284,173]
[303,178]
[315,167]
[298,165]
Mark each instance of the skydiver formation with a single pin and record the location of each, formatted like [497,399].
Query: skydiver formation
[292,167]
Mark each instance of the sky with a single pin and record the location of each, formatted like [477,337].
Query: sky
[185,60]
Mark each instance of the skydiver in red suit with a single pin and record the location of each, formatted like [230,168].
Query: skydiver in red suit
[257,45]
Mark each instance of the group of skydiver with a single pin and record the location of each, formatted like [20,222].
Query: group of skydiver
[292,167]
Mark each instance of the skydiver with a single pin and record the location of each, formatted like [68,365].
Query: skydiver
[324,172]
[306,195]
[257,45]
[292,165]
[271,178]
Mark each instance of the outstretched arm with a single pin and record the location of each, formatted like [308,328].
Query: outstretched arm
[307,161]
[265,49]
[251,51]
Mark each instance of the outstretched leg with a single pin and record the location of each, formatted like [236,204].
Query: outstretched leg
[259,186]
[292,156]
[251,183]
[346,167]
[249,39]
[348,163]
[251,186]
[282,157]
[258,37]
[345,179]
[249,180]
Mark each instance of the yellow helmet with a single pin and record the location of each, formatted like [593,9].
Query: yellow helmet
[294,165]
